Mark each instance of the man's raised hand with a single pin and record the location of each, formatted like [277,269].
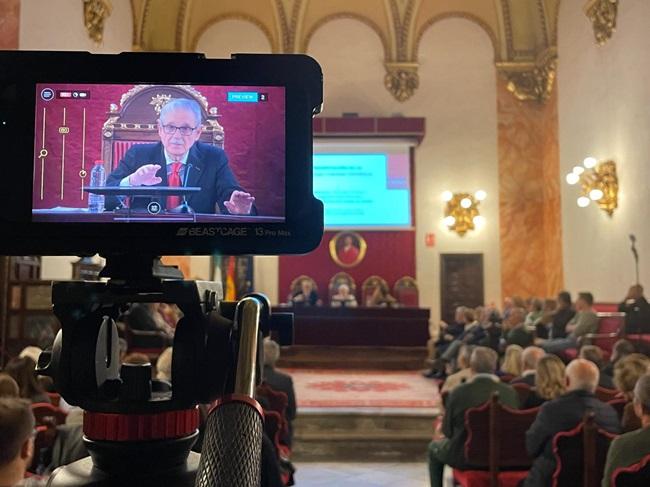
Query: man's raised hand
[240,203]
[145,176]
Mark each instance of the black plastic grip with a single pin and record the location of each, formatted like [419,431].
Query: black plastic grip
[232,447]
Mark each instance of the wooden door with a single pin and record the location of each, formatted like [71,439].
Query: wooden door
[461,282]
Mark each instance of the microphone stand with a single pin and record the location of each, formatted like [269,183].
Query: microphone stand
[636,257]
[184,207]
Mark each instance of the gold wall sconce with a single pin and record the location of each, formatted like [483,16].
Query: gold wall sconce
[598,182]
[462,212]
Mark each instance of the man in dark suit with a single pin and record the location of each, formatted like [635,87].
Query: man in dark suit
[529,359]
[478,390]
[630,448]
[179,159]
[637,311]
[563,414]
[279,381]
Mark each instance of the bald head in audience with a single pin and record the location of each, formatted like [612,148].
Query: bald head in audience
[483,361]
[530,357]
[582,375]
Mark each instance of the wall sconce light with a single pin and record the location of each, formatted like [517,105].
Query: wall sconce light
[598,183]
[461,211]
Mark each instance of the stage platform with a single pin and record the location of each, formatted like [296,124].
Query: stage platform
[363,415]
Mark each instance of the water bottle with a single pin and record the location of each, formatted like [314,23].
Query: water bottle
[97,179]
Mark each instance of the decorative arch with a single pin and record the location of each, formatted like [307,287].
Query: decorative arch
[457,15]
[275,48]
[345,15]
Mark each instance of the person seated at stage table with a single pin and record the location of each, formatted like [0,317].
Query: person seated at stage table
[564,414]
[179,159]
[637,311]
[584,322]
[631,447]
[476,391]
[343,298]
[381,298]
[306,296]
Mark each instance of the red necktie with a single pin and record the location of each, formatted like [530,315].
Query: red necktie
[174,181]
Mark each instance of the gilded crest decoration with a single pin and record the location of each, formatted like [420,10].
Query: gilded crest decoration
[95,14]
[602,14]
[159,101]
[531,82]
[401,80]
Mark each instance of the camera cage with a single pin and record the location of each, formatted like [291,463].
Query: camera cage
[301,77]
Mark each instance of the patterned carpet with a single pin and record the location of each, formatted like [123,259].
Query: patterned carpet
[359,388]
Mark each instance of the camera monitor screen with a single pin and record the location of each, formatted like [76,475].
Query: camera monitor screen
[159,153]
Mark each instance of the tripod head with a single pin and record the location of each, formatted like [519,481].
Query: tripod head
[128,425]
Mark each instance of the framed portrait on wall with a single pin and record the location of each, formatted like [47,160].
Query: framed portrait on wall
[347,249]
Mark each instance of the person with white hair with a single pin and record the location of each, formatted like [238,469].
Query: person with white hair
[631,447]
[32,352]
[530,357]
[564,414]
[343,298]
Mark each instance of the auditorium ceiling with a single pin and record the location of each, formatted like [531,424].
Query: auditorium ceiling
[523,32]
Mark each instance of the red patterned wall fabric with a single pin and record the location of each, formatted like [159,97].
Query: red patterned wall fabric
[390,255]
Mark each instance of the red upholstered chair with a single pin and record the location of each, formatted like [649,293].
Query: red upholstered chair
[636,475]
[273,429]
[277,402]
[610,329]
[43,443]
[504,462]
[506,378]
[406,292]
[607,395]
[47,414]
[55,398]
[296,286]
[580,454]
[523,390]
[134,120]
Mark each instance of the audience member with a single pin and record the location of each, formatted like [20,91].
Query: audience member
[343,298]
[515,331]
[631,447]
[22,371]
[545,322]
[535,311]
[549,381]
[306,296]
[622,348]
[562,316]
[16,442]
[585,321]
[8,386]
[164,365]
[464,372]
[32,352]
[595,354]
[627,372]
[136,358]
[479,389]
[510,303]
[563,414]
[529,359]
[511,364]
[279,381]
[146,317]
[637,311]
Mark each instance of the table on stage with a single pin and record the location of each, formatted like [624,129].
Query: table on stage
[368,327]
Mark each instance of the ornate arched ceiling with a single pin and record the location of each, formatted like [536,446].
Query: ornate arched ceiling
[523,33]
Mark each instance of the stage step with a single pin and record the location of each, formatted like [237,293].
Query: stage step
[362,434]
[368,358]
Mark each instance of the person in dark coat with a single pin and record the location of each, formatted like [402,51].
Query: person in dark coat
[564,414]
[279,381]
[637,311]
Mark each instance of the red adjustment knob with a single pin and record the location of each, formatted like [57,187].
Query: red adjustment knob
[140,427]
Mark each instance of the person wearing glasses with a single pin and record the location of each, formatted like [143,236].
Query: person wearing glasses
[179,159]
